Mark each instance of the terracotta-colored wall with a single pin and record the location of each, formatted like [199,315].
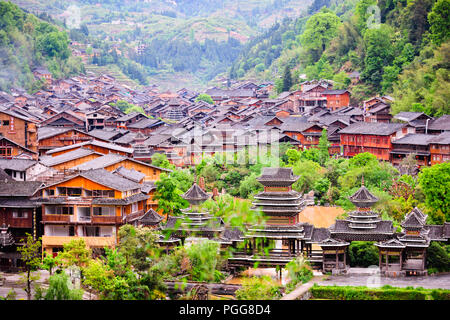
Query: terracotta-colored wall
[75,162]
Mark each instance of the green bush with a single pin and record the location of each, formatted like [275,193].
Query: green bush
[363,254]
[438,259]
[383,293]
[299,272]
[255,288]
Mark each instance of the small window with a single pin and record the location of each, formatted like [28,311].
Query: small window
[20,214]
[6,122]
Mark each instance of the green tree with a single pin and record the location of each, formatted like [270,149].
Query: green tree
[75,253]
[203,257]
[138,246]
[324,145]
[341,81]
[287,79]
[160,160]
[169,196]
[49,262]
[379,53]
[440,22]
[299,272]
[31,257]
[59,288]
[437,257]
[363,254]
[319,30]
[435,183]
[204,97]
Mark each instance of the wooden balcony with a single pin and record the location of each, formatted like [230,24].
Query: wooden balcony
[106,219]
[56,218]
[101,242]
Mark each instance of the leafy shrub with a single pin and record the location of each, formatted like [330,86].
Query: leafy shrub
[263,288]
[363,254]
[438,258]
[299,272]
[383,293]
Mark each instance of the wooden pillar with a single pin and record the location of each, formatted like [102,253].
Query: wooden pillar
[379,259]
[387,261]
[34,224]
[401,259]
[292,246]
[337,259]
[345,258]
[423,259]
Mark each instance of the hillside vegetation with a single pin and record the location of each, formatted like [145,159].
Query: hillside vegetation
[27,42]
[399,47]
[183,40]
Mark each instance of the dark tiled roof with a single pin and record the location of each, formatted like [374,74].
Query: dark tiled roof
[442,123]
[16,164]
[382,129]
[106,178]
[13,188]
[131,199]
[335,91]
[65,157]
[320,234]
[407,116]
[151,217]
[392,243]
[282,174]
[130,174]
[363,197]
[415,139]
[146,123]
[195,193]
[414,219]
[443,138]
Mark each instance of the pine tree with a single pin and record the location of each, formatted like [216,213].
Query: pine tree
[287,79]
[324,144]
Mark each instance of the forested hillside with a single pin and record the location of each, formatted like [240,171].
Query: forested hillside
[183,43]
[27,42]
[399,47]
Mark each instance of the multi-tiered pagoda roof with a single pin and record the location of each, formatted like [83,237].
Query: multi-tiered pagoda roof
[195,195]
[280,205]
[364,224]
[414,233]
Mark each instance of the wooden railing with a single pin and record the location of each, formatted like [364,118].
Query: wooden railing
[106,219]
[56,218]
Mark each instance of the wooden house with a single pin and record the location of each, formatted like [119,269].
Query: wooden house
[96,145]
[90,205]
[440,148]
[375,138]
[19,130]
[337,98]
[416,144]
[19,214]
[50,137]
[66,118]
